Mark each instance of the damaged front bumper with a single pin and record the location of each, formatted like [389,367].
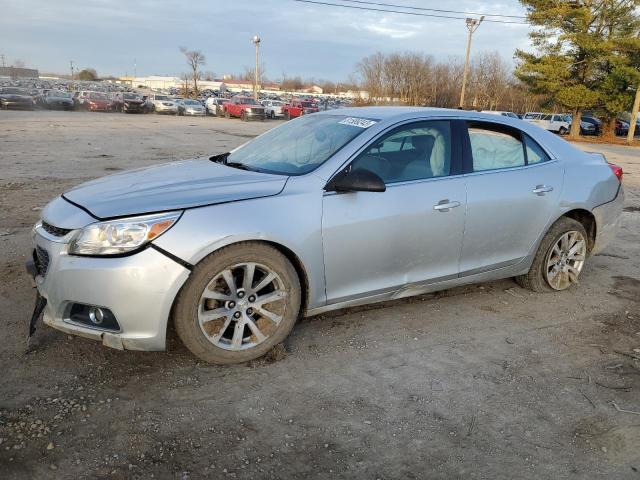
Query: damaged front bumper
[138,290]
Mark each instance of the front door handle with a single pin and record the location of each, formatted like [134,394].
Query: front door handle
[542,189]
[445,205]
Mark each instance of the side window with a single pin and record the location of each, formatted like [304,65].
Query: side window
[495,146]
[546,117]
[535,154]
[412,152]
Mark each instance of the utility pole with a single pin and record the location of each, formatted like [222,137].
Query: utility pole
[2,58]
[634,116]
[135,68]
[256,41]
[71,63]
[472,26]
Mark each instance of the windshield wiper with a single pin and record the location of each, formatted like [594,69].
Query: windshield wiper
[223,159]
[241,166]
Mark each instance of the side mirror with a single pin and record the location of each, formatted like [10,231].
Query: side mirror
[358,180]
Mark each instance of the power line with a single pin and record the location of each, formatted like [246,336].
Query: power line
[433,9]
[415,14]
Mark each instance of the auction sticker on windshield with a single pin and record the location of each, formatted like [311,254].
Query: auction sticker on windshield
[358,122]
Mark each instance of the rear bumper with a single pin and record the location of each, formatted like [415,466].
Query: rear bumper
[608,217]
[139,289]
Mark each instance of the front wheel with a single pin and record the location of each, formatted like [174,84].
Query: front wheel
[243,117]
[562,131]
[559,259]
[238,303]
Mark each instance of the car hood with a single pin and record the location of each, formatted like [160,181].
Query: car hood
[172,186]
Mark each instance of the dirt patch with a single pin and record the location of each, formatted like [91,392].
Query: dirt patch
[627,288]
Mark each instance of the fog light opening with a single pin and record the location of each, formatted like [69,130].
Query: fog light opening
[96,315]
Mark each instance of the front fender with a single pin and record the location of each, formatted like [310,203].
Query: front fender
[291,219]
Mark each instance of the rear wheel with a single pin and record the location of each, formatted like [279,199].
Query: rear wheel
[238,303]
[226,115]
[562,131]
[559,259]
[287,115]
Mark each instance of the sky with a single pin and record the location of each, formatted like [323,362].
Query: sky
[302,39]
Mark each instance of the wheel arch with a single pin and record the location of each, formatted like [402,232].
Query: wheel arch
[295,260]
[588,221]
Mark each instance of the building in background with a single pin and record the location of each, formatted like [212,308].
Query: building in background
[17,72]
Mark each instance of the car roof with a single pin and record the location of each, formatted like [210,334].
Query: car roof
[387,116]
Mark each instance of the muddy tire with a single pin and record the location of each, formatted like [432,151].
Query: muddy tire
[538,277]
[238,303]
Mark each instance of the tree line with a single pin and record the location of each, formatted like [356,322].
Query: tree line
[417,79]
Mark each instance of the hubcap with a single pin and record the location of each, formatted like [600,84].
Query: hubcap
[565,260]
[242,306]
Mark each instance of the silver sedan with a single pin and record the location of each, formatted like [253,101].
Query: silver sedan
[331,210]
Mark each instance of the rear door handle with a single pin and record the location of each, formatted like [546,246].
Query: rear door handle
[445,205]
[542,189]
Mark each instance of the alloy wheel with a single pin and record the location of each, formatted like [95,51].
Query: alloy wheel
[565,260]
[242,306]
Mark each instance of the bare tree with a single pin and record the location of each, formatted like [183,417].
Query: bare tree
[195,59]
[416,79]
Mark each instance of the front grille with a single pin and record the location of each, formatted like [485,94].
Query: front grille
[41,259]
[55,231]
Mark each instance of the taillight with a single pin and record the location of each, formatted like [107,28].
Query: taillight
[617,170]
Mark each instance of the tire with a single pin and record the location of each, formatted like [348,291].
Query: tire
[243,117]
[226,114]
[562,131]
[287,115]
[536,278]
[190,304]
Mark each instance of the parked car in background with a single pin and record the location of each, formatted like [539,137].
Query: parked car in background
[164,104]
[273,108]
[319,214]
[128,102]
[192,108]
[245,108]
[296,108]
[554,122]
[532,116]
[499,112]
[56,99]
[93,101]
[215,106]
[11,97]
[597,125]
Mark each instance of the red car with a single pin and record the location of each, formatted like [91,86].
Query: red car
[94,101]
[296,107]
[245,108]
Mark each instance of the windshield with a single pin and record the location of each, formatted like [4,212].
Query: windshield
[98,96]
[308,104]
[247,101]
[191,102]
[131,96]
[56,93]
[300,146]
[161,97]
[14,91]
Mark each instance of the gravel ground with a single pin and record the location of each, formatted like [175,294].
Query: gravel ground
[484,382]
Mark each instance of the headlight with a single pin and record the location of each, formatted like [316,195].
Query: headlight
[121,236]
